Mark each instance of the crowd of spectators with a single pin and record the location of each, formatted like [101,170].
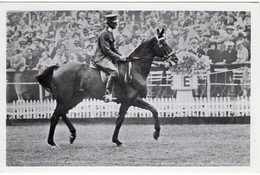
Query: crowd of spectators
[36,40]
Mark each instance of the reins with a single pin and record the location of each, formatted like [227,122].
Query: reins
[130,59]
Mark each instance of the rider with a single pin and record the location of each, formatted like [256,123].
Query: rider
[106,54]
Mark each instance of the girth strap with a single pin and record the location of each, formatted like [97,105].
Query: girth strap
[128,77]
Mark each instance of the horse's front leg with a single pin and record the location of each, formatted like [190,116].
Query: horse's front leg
[121,116]
[144,105]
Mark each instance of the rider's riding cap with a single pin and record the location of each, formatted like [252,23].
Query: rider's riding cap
[111,18]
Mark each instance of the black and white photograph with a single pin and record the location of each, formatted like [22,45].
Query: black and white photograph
[130,85]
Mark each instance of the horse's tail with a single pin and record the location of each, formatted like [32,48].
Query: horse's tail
[45,78]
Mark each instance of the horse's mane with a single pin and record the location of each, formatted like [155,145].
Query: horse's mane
[144,45]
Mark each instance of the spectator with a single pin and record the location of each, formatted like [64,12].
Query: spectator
[143,32]
[68,41]
[82,20]
[46,44]
[85,35]
[133,44]
[242,37]
[60,33]
[44,62]
[213,53]
[29,33]
[231,36]
[23,26]
[16,37]
[241,21]
[62,48]
[230,54]
[205,44]
[195,47]
[174,24]
[77,48]
[152,30]
[98,29]
[31,60]
[58,57]
[61,38]
[181,18]
[231,19]
[123,47]
[76,35]
[218,40]
[36,26]
[242,52]
[173,38]
[22,45]
[85,57]
[70,57]
[91,41]
[183,40]
[9,56]
[18,63]
[37,48]
[52,49]
[45,26]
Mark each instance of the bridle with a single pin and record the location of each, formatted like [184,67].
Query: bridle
[166,56]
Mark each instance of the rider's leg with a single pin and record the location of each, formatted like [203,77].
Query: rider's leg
[108,93]
[111,68]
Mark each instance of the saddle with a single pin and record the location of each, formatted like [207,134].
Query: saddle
[104,75]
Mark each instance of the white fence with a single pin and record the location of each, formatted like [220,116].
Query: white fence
[167,107]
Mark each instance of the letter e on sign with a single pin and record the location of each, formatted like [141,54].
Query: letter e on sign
[186,81]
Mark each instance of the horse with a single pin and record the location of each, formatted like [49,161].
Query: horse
[64,82]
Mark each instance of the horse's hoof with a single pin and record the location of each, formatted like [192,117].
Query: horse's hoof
[72,138]
[117,142]
[156,135]
[51,143]
[55,147]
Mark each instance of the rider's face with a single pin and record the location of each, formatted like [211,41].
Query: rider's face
[112,25]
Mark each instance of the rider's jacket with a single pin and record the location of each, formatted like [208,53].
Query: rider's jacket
[106,47]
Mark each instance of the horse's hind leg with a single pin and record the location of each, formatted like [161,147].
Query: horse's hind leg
[54,121]
[77,98]
[59,111]
[71,128]
[144,105]
[121,116]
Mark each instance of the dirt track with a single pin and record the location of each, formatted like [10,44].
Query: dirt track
[179,145]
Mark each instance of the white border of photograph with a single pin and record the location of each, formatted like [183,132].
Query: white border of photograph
[255,63]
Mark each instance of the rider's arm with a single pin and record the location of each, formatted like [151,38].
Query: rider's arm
[104,43]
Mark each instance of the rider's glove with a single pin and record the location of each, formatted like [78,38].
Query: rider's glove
[123,58]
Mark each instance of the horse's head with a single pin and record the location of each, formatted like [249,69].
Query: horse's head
[161,49]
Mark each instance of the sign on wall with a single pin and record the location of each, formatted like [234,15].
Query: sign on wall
[184,82]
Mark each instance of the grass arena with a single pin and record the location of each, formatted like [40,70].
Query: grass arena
[178,145]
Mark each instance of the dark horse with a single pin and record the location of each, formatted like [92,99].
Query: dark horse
[64,82]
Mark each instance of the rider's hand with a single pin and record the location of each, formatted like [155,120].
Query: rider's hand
[123,58]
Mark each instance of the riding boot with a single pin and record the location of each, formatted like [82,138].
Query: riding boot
[108,92]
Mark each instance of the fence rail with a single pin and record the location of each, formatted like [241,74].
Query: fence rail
[167,107]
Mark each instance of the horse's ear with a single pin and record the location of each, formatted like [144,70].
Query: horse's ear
[158,33]
[162,32]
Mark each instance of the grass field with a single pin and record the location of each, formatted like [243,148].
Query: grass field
[178,145]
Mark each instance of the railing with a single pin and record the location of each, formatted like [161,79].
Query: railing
[167,107]
[159,82]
